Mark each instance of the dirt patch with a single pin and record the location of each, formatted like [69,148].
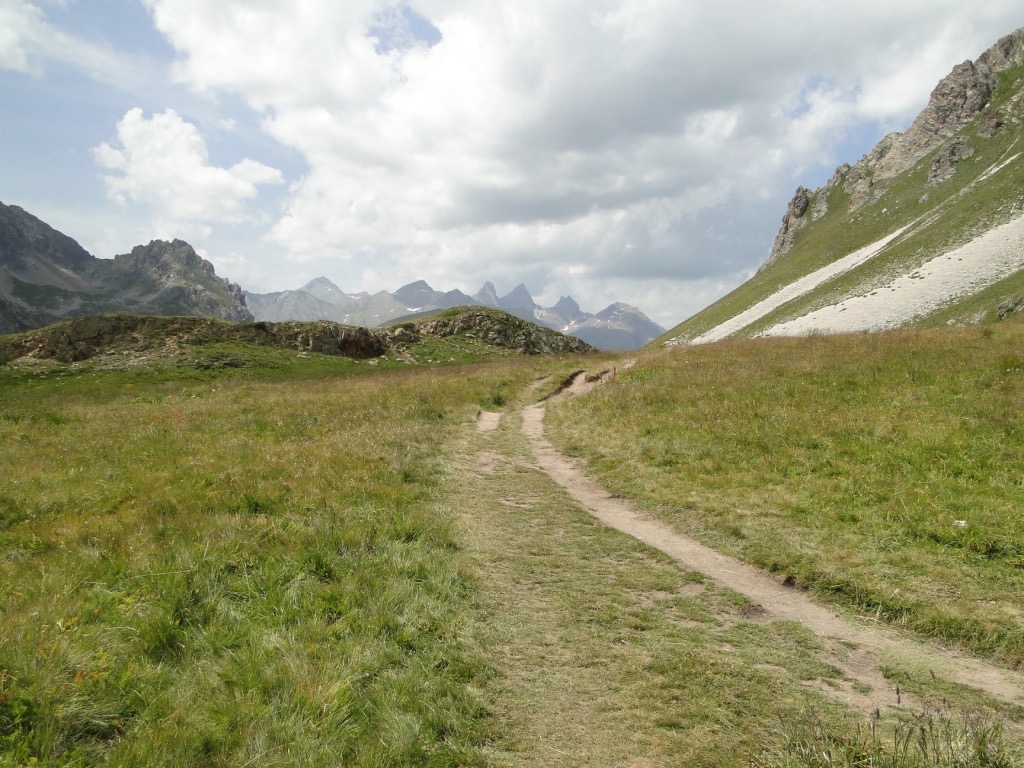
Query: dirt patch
[755,612]
[486,421]
[692,590]
[486,463]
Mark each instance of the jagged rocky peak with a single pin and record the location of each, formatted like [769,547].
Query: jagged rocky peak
[959,98]
[519,298]
[417,294]
[46,276]
[165,258]
[487,295]
[568,308]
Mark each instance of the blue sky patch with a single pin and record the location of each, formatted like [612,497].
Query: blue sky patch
[399,29]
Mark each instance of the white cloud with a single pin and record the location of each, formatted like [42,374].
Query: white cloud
[22,28]
[162,163]
[28,42]
[588,146]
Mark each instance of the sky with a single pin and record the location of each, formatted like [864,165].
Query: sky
[616,150]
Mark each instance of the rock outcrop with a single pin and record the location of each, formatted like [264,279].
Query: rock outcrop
[792,221]
[943,164]
[46,276]
[504,330]
[960,98]
[82,338]
[75,340]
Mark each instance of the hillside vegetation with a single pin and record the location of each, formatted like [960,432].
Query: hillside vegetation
[458,335]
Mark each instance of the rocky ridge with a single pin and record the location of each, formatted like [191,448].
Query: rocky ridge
[961,97]
[46,276]
[80,339]
[927,229]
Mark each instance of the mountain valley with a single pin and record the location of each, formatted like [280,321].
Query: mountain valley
[428,528]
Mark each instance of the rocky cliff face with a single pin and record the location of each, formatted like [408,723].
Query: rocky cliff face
[960,98]
[46,276]
[925,230]
[172,279]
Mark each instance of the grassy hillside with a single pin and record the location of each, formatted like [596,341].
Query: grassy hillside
[884,472]
[940,217]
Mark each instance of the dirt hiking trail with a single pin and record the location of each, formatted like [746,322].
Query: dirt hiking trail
[859,650]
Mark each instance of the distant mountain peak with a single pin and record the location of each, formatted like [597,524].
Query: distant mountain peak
[416,295]
[320,284]
[519,298]
[487,295]
[624,328]
[568,308]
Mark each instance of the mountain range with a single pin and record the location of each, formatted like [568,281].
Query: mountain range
[46,276]
[926,229]
[619,326]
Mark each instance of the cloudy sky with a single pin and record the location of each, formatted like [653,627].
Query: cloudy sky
[632,150]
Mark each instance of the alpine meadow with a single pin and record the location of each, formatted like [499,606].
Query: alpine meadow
[787,533]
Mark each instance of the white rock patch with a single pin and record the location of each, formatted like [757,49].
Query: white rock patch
[795,289]
[968,269]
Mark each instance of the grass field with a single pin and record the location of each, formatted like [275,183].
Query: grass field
[233,569]
[248,558]
[885,472]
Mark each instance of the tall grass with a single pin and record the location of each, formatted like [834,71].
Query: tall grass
[234,571]
[885,472]
[932,738]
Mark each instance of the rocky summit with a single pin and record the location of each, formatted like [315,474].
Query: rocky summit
[46,276]
[926,229]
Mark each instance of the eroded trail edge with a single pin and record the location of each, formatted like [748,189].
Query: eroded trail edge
[857,650]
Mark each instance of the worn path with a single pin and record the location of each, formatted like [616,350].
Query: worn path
[858,650]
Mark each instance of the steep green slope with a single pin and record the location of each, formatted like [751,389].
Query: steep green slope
[968,183]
